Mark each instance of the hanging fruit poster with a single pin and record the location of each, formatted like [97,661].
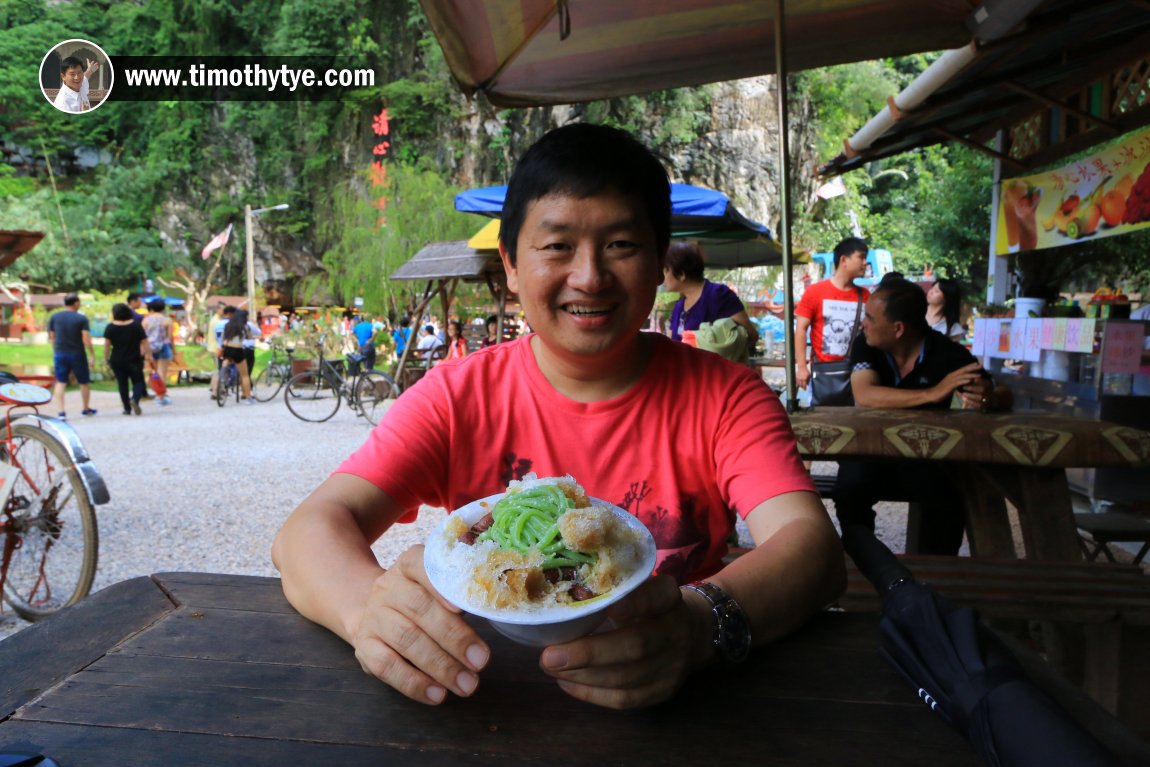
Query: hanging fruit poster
[1102,195]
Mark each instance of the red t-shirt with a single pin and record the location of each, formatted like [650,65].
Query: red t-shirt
[832,315]
[694,441]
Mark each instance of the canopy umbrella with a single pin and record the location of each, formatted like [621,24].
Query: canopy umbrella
[530,52]
[729,238]
[964,672]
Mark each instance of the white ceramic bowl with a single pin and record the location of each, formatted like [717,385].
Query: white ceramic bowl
[537,627]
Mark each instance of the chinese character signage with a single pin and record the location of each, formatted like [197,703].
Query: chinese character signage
[1099,196]
[381,127]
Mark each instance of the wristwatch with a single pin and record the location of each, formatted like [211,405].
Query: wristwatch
[732,635]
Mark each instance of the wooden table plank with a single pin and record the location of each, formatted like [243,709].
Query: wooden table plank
[72,746]
[241,674]
[47,652]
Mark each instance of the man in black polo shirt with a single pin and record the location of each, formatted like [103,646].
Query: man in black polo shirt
[899,362]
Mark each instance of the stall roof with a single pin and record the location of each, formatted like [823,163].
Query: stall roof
[15,243]
[447,260]
[1072,75]
[528,52]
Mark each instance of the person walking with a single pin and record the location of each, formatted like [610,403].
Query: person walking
[831,309]
[72,355]
[159,329]
[364,331]
[125,349]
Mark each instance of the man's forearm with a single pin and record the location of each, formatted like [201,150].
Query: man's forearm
[790,575]
[892,398]
[327,570]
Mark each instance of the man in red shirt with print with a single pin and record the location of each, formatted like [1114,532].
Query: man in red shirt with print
[829,308]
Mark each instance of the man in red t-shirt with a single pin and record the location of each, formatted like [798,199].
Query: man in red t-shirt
[828,308]
[679,437]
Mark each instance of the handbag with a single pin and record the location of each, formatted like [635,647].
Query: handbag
[831,381]
[158,385]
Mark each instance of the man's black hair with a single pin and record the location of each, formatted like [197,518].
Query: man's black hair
[904,302]
[71,299]
[121,312]
[69,62]
[582,160]
[848,246]
[133,296]
[229,310]
[157,305]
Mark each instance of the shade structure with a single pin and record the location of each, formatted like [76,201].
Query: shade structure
[15,243]
[529,52]
[449,260]
[729,238]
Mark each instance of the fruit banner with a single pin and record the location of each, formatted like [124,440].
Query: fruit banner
[1102,195]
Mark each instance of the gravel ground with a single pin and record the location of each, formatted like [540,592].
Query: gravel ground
[196,487]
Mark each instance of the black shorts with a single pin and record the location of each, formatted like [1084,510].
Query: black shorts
[234,355]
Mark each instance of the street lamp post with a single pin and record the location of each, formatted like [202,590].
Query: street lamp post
[249,214]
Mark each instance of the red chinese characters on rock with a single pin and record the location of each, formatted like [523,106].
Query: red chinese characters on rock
[380,126]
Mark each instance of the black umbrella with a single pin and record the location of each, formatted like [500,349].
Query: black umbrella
[965,673]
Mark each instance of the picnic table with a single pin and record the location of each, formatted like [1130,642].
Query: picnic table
[199,669]
[1021,456]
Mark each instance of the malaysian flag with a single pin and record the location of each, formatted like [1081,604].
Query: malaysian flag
[217,242]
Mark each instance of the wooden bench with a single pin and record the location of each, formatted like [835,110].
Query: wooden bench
[1090,620]
[1097,531]
[178,371]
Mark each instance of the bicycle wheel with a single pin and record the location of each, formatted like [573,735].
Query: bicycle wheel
[372,391]
[54,525]
[268,384]
[312,396]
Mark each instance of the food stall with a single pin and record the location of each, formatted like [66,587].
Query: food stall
[1085,366]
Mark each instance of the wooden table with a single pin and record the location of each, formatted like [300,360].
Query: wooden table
[1020,456]
[198,669]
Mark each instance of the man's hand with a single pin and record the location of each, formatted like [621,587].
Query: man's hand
[802,374]
[978,395]
[92,67]
[964,378]
[414,640]
[644,659]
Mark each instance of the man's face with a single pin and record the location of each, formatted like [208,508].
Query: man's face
[880,332]
[134,303]
[586,272]
[853,265]
[73,77]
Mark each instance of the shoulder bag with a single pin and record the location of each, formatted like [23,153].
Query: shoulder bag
[831,381]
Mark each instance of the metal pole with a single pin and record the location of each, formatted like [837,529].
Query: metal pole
[251,260]
[792,402]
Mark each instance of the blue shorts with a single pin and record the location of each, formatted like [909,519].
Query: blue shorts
[75,363]
[164,353]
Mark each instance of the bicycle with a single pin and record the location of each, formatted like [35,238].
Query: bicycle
[315,395]
[277,372]
[229,383]
[50,488]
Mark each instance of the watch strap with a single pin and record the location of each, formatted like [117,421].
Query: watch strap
[732,630]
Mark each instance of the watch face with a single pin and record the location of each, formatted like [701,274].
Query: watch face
[734,632]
